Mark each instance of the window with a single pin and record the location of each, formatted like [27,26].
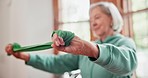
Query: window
[140,23]
[73,16]
[139,12]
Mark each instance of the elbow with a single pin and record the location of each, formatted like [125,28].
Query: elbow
[131,65]
[126,71]
[129,71]
[129,68]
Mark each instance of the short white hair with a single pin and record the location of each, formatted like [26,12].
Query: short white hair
[114,12]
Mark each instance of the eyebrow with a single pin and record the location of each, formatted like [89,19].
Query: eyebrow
[95,15]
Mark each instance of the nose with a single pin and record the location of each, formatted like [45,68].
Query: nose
[93,24]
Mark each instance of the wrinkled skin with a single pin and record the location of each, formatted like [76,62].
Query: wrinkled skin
[77,46]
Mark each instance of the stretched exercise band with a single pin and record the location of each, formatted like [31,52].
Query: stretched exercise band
[66,35]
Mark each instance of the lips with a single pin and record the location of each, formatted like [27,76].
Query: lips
[97,28]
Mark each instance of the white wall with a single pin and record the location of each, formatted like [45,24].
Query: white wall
[26,22]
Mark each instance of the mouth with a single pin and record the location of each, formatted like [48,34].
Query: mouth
[97,28]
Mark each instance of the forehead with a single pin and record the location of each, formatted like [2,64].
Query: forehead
[95,10]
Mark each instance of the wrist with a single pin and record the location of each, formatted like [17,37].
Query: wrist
[95,51]
[25,57]
[95,55]
[91,49]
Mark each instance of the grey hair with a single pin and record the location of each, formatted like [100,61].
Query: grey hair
[110,9]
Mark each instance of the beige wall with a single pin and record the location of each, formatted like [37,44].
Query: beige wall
[26,22]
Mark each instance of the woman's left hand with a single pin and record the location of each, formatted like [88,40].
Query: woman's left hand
[77,46]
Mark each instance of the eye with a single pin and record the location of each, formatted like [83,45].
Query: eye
[97,17]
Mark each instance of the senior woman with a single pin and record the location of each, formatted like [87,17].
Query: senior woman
[111,56]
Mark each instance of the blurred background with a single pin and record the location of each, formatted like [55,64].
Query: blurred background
[32,21]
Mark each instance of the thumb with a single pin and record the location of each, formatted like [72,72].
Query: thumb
[60,48]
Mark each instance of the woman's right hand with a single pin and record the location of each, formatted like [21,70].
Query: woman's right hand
[19,55]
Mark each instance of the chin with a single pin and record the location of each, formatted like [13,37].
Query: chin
[99,34]
[96,35]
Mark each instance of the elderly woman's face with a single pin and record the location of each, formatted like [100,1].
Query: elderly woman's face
[100,22]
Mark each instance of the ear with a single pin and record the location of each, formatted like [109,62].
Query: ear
[111,22]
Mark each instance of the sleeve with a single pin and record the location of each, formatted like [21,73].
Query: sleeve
[54,64]
[120,60]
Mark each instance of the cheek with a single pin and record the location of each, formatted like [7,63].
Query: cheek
[106,23]
[104,27]
[100,21]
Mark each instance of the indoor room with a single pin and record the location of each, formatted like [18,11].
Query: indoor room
[73,38]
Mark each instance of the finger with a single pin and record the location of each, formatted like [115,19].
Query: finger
[60,48]
[57,43]
[61,41]
[56,40]
[53,45]
[17,55]
[8,49]
[53,38]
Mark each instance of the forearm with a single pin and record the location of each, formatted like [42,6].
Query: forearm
[90,49]
[25,57]
[77,47]
[22,56]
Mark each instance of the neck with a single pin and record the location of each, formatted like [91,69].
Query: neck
[109,33]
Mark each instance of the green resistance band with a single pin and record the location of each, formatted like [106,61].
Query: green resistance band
[66,35]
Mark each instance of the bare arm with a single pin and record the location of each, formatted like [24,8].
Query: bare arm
[77,46]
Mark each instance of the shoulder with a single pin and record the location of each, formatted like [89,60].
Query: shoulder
[126,41]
